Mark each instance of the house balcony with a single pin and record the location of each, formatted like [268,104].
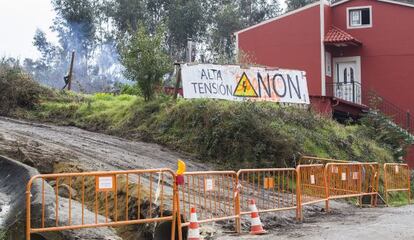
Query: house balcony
[350,92]
[342,101]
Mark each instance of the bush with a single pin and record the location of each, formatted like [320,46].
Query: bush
[387,134]
[145,60]
[3,234]
[17,89]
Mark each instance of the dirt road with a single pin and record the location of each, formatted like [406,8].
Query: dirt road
[42,145]
[346,222]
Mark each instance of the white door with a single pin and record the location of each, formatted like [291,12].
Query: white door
[347,85]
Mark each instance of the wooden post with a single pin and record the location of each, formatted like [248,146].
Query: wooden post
[70,71]
[178,81]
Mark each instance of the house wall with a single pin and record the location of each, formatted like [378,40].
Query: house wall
[291,42]
[387,53]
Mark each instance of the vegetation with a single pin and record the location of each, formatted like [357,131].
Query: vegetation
[381,128]
[17,89]
[3,234]
[234,134]
[145,61]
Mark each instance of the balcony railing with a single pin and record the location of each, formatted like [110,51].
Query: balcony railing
[399,116]
[350,92]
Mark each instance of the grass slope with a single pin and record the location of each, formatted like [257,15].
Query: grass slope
[233,134]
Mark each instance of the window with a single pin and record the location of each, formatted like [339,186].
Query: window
[359,17]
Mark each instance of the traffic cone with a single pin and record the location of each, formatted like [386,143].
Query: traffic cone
[193,230]
[256,227]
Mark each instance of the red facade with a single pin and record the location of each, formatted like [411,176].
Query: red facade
[272,44]
[350,50]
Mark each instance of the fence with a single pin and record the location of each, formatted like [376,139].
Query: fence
[213,193]
[345,180]
[117,198]
[312,186]
[396,179]
[350,91]
[304,160]
[112,198]
[274,189]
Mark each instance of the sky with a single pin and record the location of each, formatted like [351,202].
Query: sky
[19,20]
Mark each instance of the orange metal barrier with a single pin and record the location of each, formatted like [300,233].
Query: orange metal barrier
[313,188]
[217,195]
[396,179]
[274,189]
[212,193]
[307,160]
[100,194]
[346,180]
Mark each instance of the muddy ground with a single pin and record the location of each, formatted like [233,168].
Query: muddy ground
[346,222]
[42,146]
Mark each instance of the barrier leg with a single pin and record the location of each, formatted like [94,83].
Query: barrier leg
[327,206]
[237,211]
[28,203]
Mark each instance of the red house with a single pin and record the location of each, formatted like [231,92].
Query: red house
[351,50]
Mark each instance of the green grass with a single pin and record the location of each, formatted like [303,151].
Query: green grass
[233,134]
[3,234]
[398,199]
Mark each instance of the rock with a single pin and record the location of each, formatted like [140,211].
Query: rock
[64,191]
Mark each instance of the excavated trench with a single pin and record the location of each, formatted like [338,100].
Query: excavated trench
[14,177]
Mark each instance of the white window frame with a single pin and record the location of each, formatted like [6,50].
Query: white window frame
[348,10]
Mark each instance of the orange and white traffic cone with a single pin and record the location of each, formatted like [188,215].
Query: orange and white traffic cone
[256,228]
[193,230]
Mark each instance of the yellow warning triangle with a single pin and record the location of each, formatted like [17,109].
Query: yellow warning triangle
[245,88]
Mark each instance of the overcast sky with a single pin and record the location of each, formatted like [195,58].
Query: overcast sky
[19,20]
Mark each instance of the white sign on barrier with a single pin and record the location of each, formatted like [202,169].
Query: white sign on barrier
[312,179]
[355,175]
[209,184]
[343,177]
[231,82]
[105,183]
[397,169]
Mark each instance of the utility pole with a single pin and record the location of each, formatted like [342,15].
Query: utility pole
[189,50]
[70,71]
[178,79]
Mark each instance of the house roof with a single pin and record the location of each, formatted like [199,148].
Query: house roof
[313,5]
[338,37]
[406,4]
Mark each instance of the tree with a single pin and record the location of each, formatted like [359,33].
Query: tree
[295,4]
[255,11]
[227,21]
[185,20]
[145,59]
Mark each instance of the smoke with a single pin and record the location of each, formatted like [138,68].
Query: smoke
[96,65]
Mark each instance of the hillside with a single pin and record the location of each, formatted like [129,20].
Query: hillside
[234,134]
